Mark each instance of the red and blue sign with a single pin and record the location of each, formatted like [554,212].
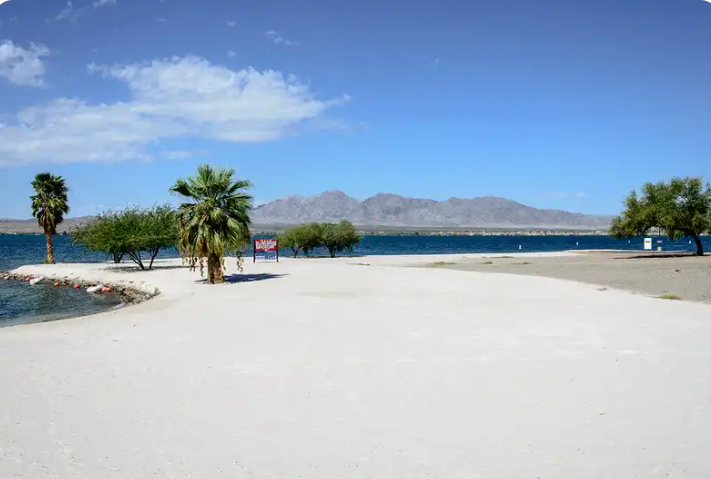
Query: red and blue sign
[266,249]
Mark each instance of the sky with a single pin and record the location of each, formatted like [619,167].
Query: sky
[553,103]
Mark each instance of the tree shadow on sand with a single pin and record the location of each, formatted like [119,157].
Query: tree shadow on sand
[135,269]
[246,278]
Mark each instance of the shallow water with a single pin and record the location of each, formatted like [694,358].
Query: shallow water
[21,303]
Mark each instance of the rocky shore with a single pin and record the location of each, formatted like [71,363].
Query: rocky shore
[129,293]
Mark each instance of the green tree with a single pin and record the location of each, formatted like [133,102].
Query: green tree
[291,239]
[680,207]
[50,204]
[102,233]
[311,237]
[215,219]
[130,232]
[337,237]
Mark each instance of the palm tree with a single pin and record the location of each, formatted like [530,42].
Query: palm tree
[215,220]
[49,205]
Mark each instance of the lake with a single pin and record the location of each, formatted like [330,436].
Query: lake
[22,303]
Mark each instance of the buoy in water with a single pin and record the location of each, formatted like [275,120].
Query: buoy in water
[56,284]
[34,281]
[76,286]
[105,290]
[27,280]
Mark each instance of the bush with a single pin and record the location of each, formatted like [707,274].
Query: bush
[130,232]
[335,237]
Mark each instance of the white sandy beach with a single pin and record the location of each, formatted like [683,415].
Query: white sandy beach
[338,369]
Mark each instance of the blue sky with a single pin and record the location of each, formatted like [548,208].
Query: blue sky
[553,103]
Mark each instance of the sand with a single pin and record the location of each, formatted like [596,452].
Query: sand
[338,369]
[687,277]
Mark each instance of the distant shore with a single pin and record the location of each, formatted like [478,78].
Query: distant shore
[381,231]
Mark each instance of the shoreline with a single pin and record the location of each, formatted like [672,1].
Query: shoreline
[86,275]
[128,294]
[658,275]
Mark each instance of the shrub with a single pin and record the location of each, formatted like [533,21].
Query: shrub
[130,232]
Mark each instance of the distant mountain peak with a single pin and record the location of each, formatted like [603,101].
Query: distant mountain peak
[387,209]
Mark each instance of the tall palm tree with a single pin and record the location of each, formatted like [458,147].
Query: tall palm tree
[49,205]
[215,219]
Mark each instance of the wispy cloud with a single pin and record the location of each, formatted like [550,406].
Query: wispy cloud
[182,154]
[161,19]
[170,99]
[231,23]
[22,66]
[67,13]
[72,13]
[565,194]
[277,38]
[231,54]
[103,3]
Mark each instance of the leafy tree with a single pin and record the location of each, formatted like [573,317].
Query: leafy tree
[337,237]
[292,239]
[311,237]
[681,207]
[103,233]
[49,205]
[130,232]
[215,219]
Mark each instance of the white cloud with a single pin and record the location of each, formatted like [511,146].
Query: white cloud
[67,13]
[71,13]
[231,23]
[171,98]
[103,3]
[277,38]
[182,154]
[22,66]
[231,54]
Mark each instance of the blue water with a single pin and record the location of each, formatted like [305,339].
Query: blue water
[21,303]
[18,250]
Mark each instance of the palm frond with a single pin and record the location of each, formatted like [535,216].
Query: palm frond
[50,203]
[215,219]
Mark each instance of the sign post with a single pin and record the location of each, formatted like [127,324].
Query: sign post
[648,243]
[264,246]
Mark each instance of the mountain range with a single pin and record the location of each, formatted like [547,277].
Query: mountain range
[389,210]
[394,210]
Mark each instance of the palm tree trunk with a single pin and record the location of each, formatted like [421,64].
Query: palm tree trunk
[50,249]
[214,269]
